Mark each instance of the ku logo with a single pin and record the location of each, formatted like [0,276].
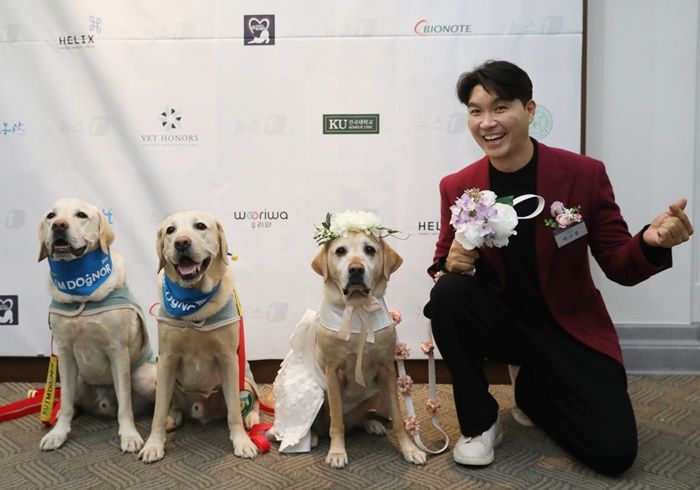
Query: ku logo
[337,124]
[259,29]
[8,310]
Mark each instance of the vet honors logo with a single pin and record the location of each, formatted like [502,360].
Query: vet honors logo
[258,30]
[170,121]
[261,220]
[351,124]
[9,311]
[542,123]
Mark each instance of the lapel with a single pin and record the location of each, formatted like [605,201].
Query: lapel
[553,184]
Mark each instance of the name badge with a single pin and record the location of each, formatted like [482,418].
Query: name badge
[567,235]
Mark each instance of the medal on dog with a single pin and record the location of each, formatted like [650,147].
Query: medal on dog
[247,400]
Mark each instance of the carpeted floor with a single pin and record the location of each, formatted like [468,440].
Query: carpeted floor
[668,417]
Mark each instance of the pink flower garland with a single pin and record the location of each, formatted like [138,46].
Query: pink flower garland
[402,351]
[411,424]
[404,384]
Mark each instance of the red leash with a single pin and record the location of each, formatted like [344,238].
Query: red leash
[31,404]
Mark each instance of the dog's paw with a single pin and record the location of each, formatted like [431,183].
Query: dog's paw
[173,421]
[131,441]
[375,427]
[337,459]
[414,455]
[153,451]
[243,447]
[53,440]
[251,419]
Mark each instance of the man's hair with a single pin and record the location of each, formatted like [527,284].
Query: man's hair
[500,78]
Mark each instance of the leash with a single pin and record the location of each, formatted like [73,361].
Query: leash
[404,384]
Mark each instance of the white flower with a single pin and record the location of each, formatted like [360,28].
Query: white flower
[362,221]
[488,198]
[503,225]
[469,236]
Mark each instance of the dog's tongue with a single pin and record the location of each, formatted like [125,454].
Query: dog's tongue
[188,266]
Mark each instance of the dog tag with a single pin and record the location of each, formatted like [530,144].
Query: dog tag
[246,402]
[567,235]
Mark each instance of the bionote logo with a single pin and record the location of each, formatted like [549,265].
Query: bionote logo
[8,310]
[258,30]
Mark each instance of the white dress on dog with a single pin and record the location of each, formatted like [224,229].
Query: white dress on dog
[300,385]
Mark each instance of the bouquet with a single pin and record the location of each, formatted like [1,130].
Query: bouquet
[480,219]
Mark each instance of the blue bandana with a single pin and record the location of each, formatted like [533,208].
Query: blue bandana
[83,275]
[179,301]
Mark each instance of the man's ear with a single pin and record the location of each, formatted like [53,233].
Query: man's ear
[320,263]
[106,233]
[392,260]
[159,248]
[223,245]
[531,106]
[43,251]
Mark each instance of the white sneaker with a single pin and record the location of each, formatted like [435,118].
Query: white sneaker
[478,450]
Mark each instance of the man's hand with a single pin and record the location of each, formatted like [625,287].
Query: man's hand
[668,229]
[461,260]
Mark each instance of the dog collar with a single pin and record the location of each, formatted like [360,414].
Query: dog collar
[179,301]
[82,276]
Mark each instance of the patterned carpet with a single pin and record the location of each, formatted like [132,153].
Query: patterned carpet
[668,416]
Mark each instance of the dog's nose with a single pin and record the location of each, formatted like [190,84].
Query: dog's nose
[182,243]
[59,225]
[356,269]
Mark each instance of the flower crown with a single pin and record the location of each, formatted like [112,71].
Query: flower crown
[340,224]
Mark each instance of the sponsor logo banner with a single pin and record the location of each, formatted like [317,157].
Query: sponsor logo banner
[351,124]
[9,311]
[258,30]
[425,28]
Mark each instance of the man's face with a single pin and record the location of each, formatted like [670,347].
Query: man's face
[500,127]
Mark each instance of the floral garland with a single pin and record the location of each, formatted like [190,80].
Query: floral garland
[340,224]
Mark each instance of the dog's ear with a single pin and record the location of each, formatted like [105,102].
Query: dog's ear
[160,241]
[223,246]
[106,233]
[320,263]
[43,251]
[392,260]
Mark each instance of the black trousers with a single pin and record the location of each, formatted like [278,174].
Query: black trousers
[577,395]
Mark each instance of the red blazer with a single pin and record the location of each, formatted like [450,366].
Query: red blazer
[564,273]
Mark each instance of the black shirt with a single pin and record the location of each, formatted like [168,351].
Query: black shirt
[522,288]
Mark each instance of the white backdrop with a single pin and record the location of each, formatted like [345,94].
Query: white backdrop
[84,86]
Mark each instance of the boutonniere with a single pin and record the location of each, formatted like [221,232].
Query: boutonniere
[563,216]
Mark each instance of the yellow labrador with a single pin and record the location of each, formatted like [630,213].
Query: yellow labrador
[197,327]
[100,334]
[355,270]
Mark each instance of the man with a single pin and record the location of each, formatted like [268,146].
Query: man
[533,303]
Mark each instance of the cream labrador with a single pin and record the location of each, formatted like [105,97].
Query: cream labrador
[198,327]
[360,375]
[100,334]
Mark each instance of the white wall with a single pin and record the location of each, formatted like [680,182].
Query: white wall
[641,120]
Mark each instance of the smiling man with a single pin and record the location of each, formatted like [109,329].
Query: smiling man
[533,303]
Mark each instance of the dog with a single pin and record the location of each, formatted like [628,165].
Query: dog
[104,357]
[356,368]
[198,331]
